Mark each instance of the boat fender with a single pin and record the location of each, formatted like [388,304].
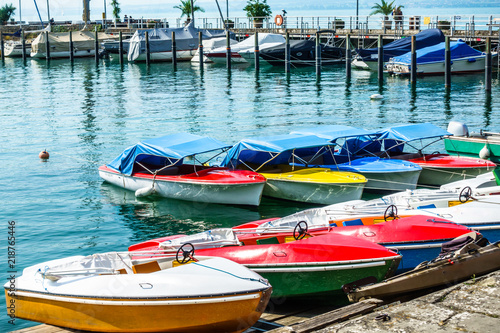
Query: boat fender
[484,153]
[376,96]
[145,191]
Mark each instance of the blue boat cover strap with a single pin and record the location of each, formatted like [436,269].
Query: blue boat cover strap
[165,150]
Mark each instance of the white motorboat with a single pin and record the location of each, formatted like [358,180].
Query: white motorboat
[15,49]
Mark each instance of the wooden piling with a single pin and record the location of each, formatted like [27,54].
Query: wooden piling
[318,55]
[148,54]
[228,50]
[23,45]
[447,63]
[287,53]
[380,59]
[174,50]
[96,47]
[257,52]
[71,55]
[2,50]
[200,46]
[120,48]
[413,64]
[348,57]
[47,46]
[487,66]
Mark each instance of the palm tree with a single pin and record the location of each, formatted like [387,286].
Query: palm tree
[185,8]
[384,8]
[116,9]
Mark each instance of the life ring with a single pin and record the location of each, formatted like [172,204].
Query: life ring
[278,19]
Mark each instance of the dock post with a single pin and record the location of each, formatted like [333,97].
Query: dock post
[487,66]
[23,44]
[2,50]
[120,48]
[148,54]
[380,59]
[96,47]
[174,51]
[228,50]
[447,63]
[47,46]
[257,52]
[287,53]
[200,43]
[318,55]
[413,63]
[348,56]
[71,55]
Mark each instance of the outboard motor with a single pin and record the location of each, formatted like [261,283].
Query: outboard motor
[458,129]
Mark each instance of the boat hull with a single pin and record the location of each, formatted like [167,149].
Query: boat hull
[16,50]
[181,55]
[463,65]
[314,185]
[248,193]
[64,54]
[440,169]
[472,146]
[223,314]
[474,263]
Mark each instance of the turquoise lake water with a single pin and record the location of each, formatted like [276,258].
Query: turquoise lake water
[85,115]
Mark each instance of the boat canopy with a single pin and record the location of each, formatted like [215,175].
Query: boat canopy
[334,132]
[412,132]
[160,40]
[399,47]
[164,151]
[435,53]
[272,149]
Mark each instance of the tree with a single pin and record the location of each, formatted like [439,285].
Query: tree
[6,12]
[256,8]
[384,8]
[116,9]
[185,8]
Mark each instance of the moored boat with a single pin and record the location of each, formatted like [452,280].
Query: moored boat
[15,49]
[347,144]
[112,292]
[274,157]
[437,168]
[416,238]
[160,166]
[485,145]
[430,60]
[316,267]
[471,258]
[303,54]
[243,52]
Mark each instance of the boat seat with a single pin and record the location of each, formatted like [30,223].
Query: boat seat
[147,267]
[352,222]
[271,240]
[427,206]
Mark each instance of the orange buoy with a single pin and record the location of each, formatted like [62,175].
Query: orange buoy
[278,19]
[44,155]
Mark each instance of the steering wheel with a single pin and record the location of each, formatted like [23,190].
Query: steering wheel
[435,153]
[391,211]
[300,230]
[187,250]
[465,194]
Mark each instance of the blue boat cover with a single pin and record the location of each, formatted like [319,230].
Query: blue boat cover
[259,150]
[412,132]
[399,47]
[157,151]
[435,53]
[334,132]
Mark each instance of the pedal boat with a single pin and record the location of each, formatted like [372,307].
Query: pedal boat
[416,238]
[273,158]
[437,168]
[111,292]
[313,268]
[470,260]
[168,166]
